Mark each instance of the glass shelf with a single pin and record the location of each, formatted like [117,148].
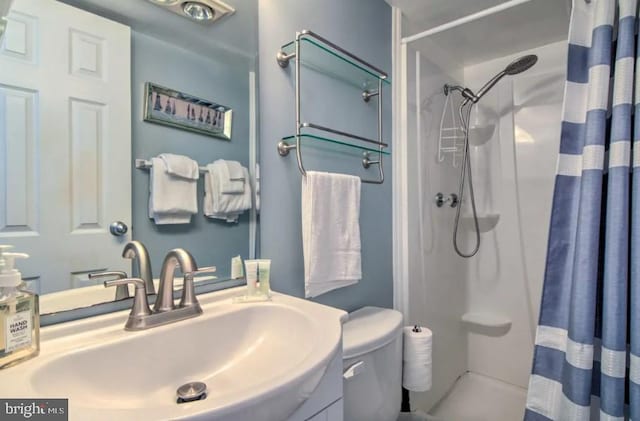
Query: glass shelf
[312,137]
[326,59]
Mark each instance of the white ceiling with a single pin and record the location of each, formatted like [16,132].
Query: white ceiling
[529,25]
[237,33]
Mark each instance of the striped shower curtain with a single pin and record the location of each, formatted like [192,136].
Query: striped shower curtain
[587,354]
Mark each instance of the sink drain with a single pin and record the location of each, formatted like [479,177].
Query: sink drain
[194,391]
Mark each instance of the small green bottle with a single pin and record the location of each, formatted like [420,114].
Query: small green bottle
[19,313]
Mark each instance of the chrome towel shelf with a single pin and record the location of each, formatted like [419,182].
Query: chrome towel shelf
[326,57]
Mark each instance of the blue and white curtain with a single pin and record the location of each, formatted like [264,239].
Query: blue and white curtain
[587,355]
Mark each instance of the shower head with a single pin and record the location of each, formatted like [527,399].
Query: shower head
[521,64]
[515,67]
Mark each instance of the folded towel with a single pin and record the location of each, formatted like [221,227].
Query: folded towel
[236,172]
[172,199]
[180,166]
[225,206]
[330,231]
[231,176]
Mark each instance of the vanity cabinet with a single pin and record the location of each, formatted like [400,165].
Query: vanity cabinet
[335,412]
[325,403]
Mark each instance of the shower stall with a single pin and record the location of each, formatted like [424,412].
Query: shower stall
[483,309]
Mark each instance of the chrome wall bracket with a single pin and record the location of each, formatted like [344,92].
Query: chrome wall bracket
[367,95]
[367,162]
[284,148]
[283,59]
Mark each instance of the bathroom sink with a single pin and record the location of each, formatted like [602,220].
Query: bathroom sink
[258,360]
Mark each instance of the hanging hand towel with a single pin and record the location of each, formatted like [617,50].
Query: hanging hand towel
[180,166]
[225,206]
[231,176]
[172,197]
[330,231]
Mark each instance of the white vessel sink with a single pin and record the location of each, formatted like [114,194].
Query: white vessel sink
[258,360]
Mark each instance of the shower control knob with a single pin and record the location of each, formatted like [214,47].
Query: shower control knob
[451,199]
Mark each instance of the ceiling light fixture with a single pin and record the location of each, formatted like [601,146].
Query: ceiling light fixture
[198,11]
[202,11]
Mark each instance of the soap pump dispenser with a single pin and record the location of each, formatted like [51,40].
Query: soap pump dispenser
[19,313]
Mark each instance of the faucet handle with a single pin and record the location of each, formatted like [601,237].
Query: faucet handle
[208,269]
[118,274]
[188,289]
[122,291]
[140,303]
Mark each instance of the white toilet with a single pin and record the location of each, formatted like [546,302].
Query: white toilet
[372,357]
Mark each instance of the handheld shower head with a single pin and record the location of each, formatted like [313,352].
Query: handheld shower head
[517,66]
[520,65]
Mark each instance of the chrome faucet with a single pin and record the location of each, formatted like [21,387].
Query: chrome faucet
[165,311]
[176,257]
[133,250]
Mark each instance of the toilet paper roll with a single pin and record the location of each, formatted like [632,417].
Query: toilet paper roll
[417,378]
[417,359]
[417,345]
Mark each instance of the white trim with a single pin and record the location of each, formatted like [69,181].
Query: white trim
[463,20]
[606,417]
[620,154]
[552,337]
[598,87]
[623,84]
[636,153]
[579,355]
[569,165]
[544,396]
[613,363]
[593,157]
[399,168]
[634,368]
[253,224]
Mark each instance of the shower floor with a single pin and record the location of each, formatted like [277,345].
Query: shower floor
[475,397]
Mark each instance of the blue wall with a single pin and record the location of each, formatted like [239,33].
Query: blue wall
[364,28]
[225,80]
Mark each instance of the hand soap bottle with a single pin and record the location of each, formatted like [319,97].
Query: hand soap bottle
[19,313]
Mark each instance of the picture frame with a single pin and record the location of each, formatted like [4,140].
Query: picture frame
[183,111]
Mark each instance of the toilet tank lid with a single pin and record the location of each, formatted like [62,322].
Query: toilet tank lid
[368,329]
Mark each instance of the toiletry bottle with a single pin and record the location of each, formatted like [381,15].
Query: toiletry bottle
[236,267]
[19,313]
[251,272]
[264,267]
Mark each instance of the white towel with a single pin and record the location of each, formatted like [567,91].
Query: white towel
[236,170]
[180,166]
[231,177]
[330,231]
[225,206]
[172,199]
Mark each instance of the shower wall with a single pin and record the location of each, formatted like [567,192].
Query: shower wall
[513,174]
[437,285]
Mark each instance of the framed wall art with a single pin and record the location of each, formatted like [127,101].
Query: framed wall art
[183,111]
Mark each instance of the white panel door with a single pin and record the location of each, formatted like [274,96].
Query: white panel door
[65,141]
